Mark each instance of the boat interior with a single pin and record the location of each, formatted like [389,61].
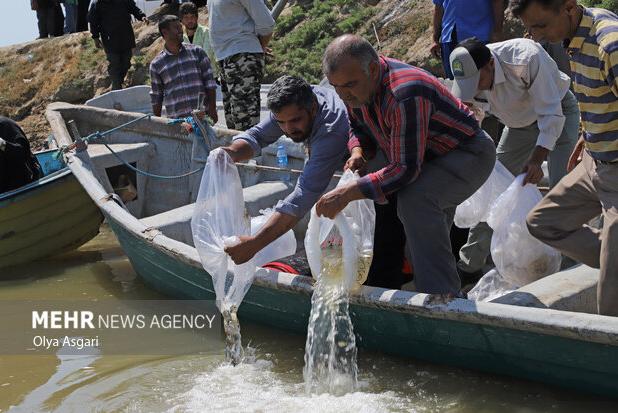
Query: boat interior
[158,148]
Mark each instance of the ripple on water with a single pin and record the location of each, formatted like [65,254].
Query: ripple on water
[256,388]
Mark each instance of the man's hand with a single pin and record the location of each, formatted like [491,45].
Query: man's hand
[243,251]
[97,43]
[268,53]
[334,201]
[356,162]
[533,170]
[435,50]
[534,173]
[576,155]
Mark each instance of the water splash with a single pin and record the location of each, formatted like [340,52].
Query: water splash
[233,339]
[330,350]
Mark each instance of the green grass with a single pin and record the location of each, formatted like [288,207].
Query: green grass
[302,35]
[605,4]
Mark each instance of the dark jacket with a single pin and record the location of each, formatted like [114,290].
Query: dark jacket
[111,21]
[18,166]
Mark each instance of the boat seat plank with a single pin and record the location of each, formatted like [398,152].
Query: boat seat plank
[175,223]
[573,289]
[129,152]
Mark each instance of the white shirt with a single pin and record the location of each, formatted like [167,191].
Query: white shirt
[528,88]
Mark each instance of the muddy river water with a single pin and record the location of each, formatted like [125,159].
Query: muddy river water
[270,381]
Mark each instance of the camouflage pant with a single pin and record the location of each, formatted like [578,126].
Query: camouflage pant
[241,78]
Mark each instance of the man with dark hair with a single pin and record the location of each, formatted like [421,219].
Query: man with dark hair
[455,20]
[591,188]
[312,115]
[240,31]
[436,153]
[18,166]
[519,83]
[181,75]
[110,25]
[197,34]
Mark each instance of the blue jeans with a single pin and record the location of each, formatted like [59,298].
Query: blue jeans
[445,50]
[70,18]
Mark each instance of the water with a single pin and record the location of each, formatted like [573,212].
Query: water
[269,380]
[330,351]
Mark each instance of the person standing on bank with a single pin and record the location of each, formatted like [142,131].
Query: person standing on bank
[591,188]
[437,153]
[180,74]
[197,34]
[49,17]
[18,165]
[240,31]
[313,115]
[455,20]
[110,25]
[519,83]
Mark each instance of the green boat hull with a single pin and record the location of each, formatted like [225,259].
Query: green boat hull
[581,365]
[45,218]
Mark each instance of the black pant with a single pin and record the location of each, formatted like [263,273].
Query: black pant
[50,19]
[119,64]
[82,15]
[388,248]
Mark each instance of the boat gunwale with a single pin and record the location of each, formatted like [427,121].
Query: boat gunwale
[578,326]
[35,185]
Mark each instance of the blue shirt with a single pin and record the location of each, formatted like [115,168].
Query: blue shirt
[328,147]
[467,18]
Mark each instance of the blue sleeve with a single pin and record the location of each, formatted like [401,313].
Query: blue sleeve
[262,134]
[325,159]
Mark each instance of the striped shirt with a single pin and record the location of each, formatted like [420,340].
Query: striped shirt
[413,118]
[178,80]
[594,66]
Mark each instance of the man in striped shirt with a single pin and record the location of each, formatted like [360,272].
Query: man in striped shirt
[437,155]
[181,75]
[561,218]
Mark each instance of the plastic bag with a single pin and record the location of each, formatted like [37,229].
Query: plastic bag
[283,246]
[491,285]
[219,219]
[476,208]
[519,257]
[342,249]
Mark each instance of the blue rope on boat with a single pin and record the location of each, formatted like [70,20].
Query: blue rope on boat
[148,174]
[101,135]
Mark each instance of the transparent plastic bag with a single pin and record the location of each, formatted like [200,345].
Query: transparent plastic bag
[342,248]
[284,246]
[519,257]
[476,208]
[491,285]
[219,219]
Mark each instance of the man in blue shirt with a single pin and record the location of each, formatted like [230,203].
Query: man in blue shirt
[310,114]
[457,20]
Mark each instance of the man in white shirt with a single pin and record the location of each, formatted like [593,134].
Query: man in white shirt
[520,84]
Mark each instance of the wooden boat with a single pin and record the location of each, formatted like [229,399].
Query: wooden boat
[46,217]
[541,332]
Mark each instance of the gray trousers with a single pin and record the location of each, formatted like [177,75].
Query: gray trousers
[515,147]
[426,208]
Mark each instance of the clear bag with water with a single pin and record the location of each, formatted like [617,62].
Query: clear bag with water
[219,219]
[519,257]
[491,285]
[342,248]
[476,208]
[284,246]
